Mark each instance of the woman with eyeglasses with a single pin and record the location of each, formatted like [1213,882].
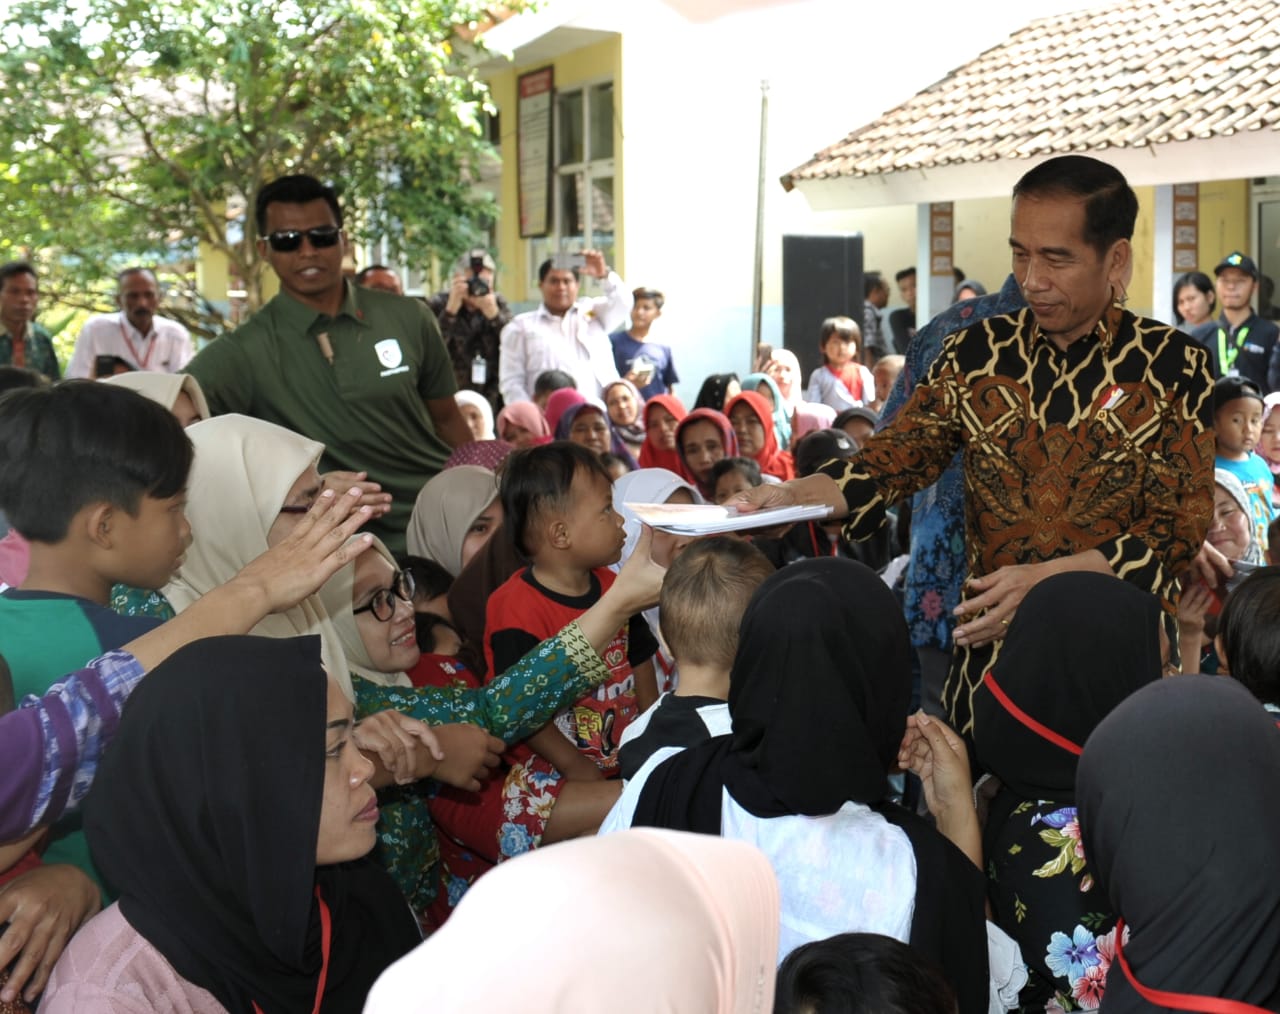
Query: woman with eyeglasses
[248,482]
[371,604]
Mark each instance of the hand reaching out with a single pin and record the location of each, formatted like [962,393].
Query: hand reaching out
[470,755]
[936,754]
[371,495]
[408,748]
[43,908]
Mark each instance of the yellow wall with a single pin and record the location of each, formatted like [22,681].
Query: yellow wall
[1140,288]
[600,61]
[1224,221]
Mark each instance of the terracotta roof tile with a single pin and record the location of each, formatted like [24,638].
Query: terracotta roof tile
[1135,74]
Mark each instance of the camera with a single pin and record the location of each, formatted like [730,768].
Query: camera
[477,286]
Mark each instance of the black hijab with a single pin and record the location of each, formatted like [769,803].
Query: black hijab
[1079,644]
[1179,792]
[715,391]
[818,694]
[204,817]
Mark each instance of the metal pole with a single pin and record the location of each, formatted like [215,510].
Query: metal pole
[757,282]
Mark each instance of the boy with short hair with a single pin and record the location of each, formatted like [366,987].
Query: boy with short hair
[548,382]
[558,504]
[886,372]
[730,476]
[704,594]
[648,365]
[94,476]
[841,381]
[1237,427]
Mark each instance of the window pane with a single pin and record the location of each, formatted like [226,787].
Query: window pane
[602,221]
[572,206]
[601,121]
[569,127]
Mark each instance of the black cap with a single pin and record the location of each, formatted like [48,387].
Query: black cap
[859,412]
[1238,260]
[1231,388]
[821,446]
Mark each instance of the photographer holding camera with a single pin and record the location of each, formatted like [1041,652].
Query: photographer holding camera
[472,316]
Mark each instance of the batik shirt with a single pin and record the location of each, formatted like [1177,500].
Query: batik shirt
[1107,445]
[935,573]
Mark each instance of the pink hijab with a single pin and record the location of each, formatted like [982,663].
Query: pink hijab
[698,914]
[526,415]
[810,417]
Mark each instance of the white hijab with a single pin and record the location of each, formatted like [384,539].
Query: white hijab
[241,475]
[446,508]
[336,596]
[163,388]
[481,404]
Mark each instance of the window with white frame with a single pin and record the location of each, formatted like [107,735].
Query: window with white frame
[584,208]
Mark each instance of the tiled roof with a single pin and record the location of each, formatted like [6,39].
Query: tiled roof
[1130,75]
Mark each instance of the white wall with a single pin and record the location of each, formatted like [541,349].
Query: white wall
[690,108]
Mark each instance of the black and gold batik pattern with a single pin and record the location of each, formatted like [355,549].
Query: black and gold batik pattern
[1107,445]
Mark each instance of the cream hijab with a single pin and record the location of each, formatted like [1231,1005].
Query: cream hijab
[445,510]
[243,471]
[702,909]
[164,388]
[336,597]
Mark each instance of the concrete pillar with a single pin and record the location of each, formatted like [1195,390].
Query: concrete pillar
[1162,256]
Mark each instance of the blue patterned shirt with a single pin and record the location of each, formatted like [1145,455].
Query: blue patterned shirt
[935,573]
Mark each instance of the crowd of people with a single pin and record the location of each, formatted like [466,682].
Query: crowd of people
[336,659]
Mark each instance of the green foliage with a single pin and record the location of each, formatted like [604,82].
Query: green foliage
[134,131]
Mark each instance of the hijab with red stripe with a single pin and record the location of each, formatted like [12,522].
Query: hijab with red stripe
[771,458]
[1079,644]
[652,455]
[727,439]
[204,816]
[1179,791]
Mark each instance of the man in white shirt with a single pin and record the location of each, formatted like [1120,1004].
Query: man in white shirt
[134,335]
[563,333]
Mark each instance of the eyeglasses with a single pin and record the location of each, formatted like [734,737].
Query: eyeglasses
[288,240]
[295,508]
[383,605]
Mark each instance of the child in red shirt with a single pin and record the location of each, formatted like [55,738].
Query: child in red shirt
[558,505]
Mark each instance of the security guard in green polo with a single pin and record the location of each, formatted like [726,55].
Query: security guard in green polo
[364,372]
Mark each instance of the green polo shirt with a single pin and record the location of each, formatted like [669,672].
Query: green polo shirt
[367,407]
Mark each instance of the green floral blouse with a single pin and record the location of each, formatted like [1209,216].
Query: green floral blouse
[512,707]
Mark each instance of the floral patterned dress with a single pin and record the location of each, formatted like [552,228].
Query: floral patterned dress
[511,707]
[1043,895]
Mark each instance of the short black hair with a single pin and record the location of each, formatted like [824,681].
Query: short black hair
[749,467]
[653,295]
[426,627]
[609,459]
[14,268]
[861,973]
[297,189]
[80,442]
[430,579]
[1249,626]
[364,273]
[1110,205]
[1196,279]
[14,377]
[904,273]
[538,480]
[871,281]
[545,267]
[550,381]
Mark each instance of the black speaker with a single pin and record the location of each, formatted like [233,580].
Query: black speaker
[821,278]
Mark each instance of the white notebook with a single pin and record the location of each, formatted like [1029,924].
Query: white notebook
[708,519]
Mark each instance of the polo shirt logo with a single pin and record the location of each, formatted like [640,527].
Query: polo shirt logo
[389,353]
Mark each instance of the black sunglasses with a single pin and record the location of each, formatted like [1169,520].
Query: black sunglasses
[288,240]
[383,605]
